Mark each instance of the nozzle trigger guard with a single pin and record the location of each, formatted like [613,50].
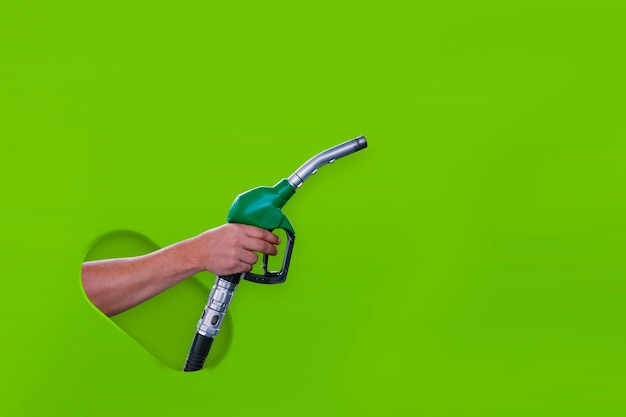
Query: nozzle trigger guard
[274,277]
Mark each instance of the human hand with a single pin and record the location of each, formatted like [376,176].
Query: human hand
[230,249]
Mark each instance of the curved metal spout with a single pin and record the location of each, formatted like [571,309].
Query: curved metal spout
[311,166]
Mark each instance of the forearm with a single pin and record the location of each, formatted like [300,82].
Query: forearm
[115,285]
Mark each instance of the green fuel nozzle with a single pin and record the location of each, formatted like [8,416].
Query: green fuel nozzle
[260,207]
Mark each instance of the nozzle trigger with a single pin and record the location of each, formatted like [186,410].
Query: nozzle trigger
[274,277]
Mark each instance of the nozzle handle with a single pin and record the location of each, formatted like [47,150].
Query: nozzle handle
[274,277]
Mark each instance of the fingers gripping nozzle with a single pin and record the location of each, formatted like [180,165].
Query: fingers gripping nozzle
[261,207]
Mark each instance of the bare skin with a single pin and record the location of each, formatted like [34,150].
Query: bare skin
[115,285]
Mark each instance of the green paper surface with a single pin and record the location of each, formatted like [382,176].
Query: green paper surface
[469,262]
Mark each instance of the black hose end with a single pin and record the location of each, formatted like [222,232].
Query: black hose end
[200,347]
[361,143]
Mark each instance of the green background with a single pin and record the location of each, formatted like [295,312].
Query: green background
[470,262]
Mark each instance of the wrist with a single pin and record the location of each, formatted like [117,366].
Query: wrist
[186,256]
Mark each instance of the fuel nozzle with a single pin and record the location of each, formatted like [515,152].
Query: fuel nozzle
[260,207]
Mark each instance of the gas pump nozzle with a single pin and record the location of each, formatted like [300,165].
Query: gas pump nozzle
[260,207]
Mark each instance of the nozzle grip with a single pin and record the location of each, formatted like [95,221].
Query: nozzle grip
[274,277]
[261,207]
